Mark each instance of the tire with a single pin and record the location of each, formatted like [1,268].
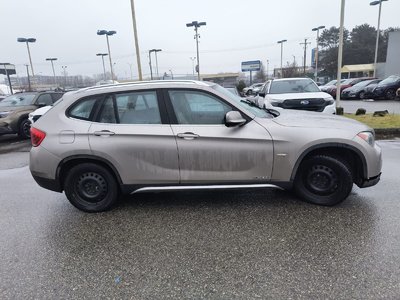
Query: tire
[323,180]
[24,130]
[91,188]
[361,95]
[390,94]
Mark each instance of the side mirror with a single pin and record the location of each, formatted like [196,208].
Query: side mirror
[233,119]
[41,104]
[261,94]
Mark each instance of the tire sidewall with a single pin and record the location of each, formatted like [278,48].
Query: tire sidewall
[79,202]
[22,133]
[344,185]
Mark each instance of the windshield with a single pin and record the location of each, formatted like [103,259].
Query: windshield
[391,79]
[362,83]
[247,105]
[293,86]
[18,100]
[332,82]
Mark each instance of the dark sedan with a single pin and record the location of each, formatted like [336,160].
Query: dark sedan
[386,89]
[345,84]
[357,91]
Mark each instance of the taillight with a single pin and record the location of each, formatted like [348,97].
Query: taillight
[37,136]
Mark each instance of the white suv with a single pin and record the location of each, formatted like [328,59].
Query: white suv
[295,93]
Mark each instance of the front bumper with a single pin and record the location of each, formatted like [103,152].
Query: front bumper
[370,181]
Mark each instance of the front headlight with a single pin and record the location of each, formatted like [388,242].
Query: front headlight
[367,136]
[4,114]
[329,100]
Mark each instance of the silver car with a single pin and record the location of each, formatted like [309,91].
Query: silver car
[104,141]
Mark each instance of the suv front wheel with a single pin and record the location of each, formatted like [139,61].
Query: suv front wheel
[91,187]
[323,180]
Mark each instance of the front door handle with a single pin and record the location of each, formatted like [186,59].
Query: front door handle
[187,135]
[104,133]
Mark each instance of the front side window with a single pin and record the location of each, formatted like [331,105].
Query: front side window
[131,108]
[44,99]
[192,107]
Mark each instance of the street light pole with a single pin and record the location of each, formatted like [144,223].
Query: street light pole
[108,33]
[27,41]
[281,42]
[192,59]
[52,66]
[196,25]
[104,67]
[316,52]
[267,68]
[136,40]
[29,79]
[155,52]
[151,68]
[340,57]
[377,31]
[65,75]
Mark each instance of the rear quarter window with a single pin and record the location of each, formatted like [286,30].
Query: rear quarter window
[82,109]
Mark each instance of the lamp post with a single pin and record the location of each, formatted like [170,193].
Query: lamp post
[317,29]
[136,40]
[196,25]
[192,59]
[267,68]
[373,3]
[52,66]
[281,42]
[340,57]
[27,41]
[104,67]
[29,79]
[108,33]
[155,52]
[65,75]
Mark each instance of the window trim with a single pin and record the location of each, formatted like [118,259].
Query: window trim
[94,110]
[171,112]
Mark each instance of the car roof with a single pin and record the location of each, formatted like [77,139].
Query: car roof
[295,78]
[145,84]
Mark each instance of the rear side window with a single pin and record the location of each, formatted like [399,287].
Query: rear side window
[82,109]
[131,108]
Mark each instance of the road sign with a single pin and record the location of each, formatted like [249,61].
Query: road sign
[254,65]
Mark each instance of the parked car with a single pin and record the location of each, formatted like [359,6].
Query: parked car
[100,142]
[386,89]
[14,110]
[36,114]
[346,84]
[294,93]
[329,85]
[253,89]
[357,91]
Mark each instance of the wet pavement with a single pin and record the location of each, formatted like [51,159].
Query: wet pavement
[247,244]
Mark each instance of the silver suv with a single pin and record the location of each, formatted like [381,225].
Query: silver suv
[102,141]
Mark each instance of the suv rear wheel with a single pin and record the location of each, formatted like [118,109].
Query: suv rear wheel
[91,188]
[323,180]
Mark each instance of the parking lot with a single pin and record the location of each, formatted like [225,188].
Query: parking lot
[239,244]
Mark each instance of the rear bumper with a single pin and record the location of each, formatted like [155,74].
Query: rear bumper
[50,184]
[370,182]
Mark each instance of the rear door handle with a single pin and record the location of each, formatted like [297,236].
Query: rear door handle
[188,135]
[104,133]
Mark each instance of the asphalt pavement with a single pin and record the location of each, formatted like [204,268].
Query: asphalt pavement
[246,244]
[370,105]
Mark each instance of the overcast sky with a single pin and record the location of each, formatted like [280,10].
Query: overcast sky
[236,31]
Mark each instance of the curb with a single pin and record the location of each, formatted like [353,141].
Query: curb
[386,133]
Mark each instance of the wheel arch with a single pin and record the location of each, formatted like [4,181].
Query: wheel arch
[71,161]
[353,156]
